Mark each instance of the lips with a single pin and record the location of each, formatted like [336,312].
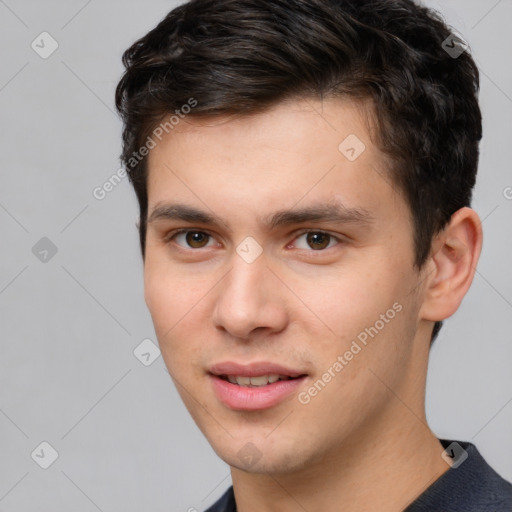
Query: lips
[254,386]
[253,370]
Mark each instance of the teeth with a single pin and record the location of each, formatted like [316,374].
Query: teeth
[255,382]
[259,381]
[243,381]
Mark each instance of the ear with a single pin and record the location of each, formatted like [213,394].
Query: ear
[452,265]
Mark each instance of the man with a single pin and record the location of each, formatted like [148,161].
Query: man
[304,170]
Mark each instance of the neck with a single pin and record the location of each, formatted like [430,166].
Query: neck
[384,466]
[384,472]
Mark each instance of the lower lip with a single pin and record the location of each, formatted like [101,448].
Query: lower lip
[243,398]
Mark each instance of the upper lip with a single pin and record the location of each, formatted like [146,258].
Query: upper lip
[252,369]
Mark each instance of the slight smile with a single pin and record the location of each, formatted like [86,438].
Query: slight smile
[255,386]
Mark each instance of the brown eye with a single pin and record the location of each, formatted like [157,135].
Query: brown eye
[196,239]
[191,239]
[318,240]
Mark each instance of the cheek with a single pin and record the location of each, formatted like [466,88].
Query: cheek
[174,302]
[159,296]
[166,290]
[368,303]
[166,299]
[356,297]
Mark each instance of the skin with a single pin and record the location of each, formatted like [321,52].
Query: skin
[363,441]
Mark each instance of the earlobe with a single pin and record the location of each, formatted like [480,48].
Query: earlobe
[454,256]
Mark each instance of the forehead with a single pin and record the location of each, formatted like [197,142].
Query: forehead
[299,153]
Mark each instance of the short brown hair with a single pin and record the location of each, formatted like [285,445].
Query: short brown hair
[244,56]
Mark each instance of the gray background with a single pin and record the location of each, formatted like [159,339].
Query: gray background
[69,326]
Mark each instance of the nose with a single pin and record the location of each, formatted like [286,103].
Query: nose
[250,297]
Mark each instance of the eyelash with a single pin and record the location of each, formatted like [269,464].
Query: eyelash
[173,234]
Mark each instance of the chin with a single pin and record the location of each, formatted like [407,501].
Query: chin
[260,456]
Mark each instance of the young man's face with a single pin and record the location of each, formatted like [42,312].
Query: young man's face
[339,307]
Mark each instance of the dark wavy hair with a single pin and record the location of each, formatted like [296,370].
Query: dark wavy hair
[243,56]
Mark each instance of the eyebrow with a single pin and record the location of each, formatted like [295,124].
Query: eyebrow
[331,212]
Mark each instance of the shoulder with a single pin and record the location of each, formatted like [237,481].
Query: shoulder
[470,485]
